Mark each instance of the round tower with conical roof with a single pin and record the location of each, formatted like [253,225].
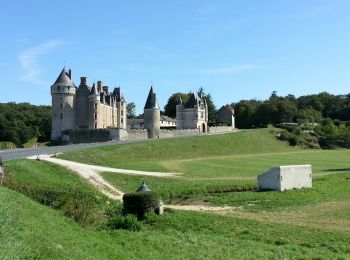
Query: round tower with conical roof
[63,104]
[152,115]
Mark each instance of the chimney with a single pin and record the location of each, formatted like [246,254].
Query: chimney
[105,89]
[83,81]
[70,74]
[99,86]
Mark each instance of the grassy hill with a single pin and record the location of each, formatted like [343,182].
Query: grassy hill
[52,213]
[30,230]
[147,155]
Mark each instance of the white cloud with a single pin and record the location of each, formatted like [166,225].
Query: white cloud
[29,60]
[229,70]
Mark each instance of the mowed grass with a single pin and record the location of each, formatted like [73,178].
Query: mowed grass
[149,155]
[29,230]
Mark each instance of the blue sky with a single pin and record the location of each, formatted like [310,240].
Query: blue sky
[234,49]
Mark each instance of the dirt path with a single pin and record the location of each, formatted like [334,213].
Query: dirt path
[92,174]
[203,208]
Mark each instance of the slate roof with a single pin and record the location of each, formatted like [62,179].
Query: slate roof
[193,101]
[93,90]
[166,118]
[118,94]
[151,101]
[143,188]
[64,80]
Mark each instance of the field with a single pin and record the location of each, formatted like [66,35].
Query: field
[216,170]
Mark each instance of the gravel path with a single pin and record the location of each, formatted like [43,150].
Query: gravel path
[92,174]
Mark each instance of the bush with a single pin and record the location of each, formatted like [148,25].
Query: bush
[140,203]
[128,222]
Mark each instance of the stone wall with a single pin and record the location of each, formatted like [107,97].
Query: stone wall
[220,129]
[140,134]
[85,136]
[164,133]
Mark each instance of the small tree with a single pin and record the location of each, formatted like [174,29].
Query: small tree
[131,110]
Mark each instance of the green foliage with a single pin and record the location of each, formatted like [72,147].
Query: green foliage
[7,145]
[170,107]
[131,110]
[22,122]
[140,203]
[278,109]
[128,222]
[174,99]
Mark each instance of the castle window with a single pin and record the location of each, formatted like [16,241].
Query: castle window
[61,116]
[68,88]
[122,120]
[61,106]
[58,88]
[95,125]
[95,115]
[202,115]
[95,105]
[122,112]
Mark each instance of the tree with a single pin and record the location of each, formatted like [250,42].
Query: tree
[174,99]
[131,110]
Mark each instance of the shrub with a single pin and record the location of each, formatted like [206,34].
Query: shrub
[140,203]
[128,222]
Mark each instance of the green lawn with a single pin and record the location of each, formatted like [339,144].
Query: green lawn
[299,224]
[151,155]
[30,230]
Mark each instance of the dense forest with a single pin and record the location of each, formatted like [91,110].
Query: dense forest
[21,122]
[325,118]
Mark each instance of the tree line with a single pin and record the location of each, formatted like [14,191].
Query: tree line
[21,122]
[327,114]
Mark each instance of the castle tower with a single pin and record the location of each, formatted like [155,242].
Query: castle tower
[179,114]
[82,99]
[94,108]
[152,115]
[121,108]
[63,104]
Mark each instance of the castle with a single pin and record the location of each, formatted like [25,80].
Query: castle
[85,107]
[193,114]
[94,107]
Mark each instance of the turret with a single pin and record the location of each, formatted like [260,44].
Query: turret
[94,103]
[179,115]
[152,115]
[63,93]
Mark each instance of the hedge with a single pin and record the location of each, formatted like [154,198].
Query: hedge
[140,203]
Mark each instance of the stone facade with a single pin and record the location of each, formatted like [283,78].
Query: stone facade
[193,114]
[85,107]
[286,178]
[152,115]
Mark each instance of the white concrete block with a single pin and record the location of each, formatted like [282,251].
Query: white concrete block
[286,178]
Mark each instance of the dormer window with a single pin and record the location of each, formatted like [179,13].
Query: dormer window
[58,88]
